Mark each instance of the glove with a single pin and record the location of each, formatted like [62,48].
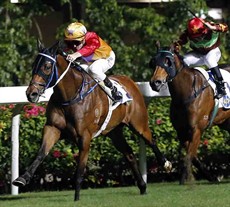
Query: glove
[73,56]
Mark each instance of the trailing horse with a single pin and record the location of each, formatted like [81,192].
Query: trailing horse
[193,106]
[81,107]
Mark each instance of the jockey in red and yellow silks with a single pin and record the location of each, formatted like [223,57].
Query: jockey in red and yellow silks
[95,48]
[95,51]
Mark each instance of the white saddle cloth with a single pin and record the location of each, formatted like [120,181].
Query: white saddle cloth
[125,98]
[224,102]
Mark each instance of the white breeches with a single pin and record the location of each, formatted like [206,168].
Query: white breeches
[99,67]
[196,59]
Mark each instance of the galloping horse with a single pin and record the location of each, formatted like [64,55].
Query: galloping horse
[80,106]
[192,107]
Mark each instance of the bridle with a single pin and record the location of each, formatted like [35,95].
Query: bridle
[172,71]
[169,65]
[50,78]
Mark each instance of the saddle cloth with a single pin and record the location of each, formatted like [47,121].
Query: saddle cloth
[125,98]
[224,102]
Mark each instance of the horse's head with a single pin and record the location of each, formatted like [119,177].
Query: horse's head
[164,65]
[44,73]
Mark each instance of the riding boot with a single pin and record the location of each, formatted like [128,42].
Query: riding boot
[219,82]
[117,96]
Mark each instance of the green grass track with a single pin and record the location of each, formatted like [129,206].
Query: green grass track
[199,194]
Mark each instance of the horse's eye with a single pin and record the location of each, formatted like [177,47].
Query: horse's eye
[46,68]
[168,62]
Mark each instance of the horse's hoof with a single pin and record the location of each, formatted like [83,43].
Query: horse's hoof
[20,182]
[168,166]
[143,192]
[215,179]
[220,178]
[142,189]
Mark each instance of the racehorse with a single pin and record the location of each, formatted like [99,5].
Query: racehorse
[192,108]
[80,106]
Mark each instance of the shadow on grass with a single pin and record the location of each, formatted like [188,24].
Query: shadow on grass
[32,195]
[12,198]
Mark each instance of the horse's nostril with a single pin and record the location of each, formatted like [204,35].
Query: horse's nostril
[157,82]
[34,94]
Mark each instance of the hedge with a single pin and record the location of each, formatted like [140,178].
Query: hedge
[106,166]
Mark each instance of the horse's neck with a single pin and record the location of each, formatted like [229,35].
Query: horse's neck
[179,63]
[70,82]
[180,86]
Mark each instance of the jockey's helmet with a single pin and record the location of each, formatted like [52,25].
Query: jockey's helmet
[196,27]
[75,32]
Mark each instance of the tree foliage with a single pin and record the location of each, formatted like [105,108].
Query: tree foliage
[131,32]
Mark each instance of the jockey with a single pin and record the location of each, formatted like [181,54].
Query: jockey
[96,52]
[204,38]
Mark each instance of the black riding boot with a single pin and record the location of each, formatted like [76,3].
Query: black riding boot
[219,82]
[117,96]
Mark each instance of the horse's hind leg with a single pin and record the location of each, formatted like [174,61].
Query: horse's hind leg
[122,146]
[50,137]
[191,147]
[144,130]
[200,166]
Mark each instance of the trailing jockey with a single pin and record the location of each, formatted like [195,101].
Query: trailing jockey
[204,38]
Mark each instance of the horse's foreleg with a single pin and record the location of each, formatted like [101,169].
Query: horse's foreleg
[191,146]
[181,164]
[122,146]
[84,145]
[50,137]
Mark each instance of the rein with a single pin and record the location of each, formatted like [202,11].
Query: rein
[82,93]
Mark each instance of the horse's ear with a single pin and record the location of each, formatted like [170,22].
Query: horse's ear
[54,48]
[158,45]
[40,45]
[61,48]
[172,47]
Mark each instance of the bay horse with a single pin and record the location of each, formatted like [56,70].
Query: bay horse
[192,107]
[80,106]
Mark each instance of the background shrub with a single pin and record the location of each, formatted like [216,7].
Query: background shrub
[106,166]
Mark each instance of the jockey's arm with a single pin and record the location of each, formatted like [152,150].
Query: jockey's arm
[183,39]
[221,27]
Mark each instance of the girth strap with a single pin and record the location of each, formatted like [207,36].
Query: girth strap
[196,92]
[215,110]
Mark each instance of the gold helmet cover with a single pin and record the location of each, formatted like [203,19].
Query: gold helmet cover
[75,31]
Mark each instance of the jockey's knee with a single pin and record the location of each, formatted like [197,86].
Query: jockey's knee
[98,76]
